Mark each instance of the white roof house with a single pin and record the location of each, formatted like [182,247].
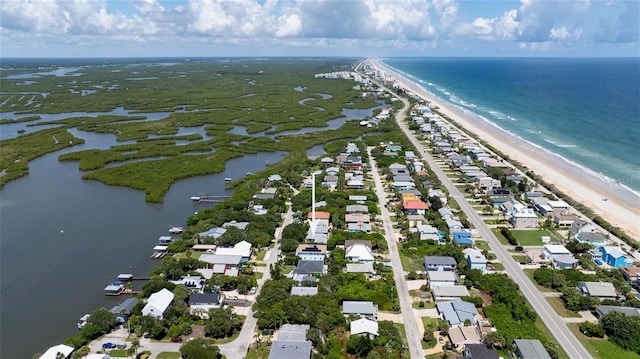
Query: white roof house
[600,290]
[52,353]
[359,253]
[158,303]
[364,326]
[242,249]
[449,292]
[442,278]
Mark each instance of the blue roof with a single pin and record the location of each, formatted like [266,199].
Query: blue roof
[462,237]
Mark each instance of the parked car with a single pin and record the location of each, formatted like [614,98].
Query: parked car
[441,340]
[253,290]
[147,335]
[121,346]
[108,345]
[176,340]
[447,347]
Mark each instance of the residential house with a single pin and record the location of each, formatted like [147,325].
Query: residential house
[398,169]
[580,226]
[266,193]
[402,178]
[228,265]
[499,196]
[416,220]
[326,161]
[59,351]
[454,225]
[201,303]
[456,312]
[439,263]
[304,291]
[436,192]
[332,171]
[352,162]
[366,268]
[213,233]
[242,249]
[615,257]
[308,268]
[445,213]
[600,290]
[404,185]
[427,232]
[360,308]
[352,148]
[358,198]
[364,326]
[358,222]
[442,278]
[283,349]
[486,183]
[275,178]
[123,310]
[601,310]
[632,275]
[448,292]
[355,182]
[559,256]
[593,238]
[313,252]
[479,351]
[564,220]
[359,251]
[530,349]
[462,238]
[330,181]
[413,205]
[356,208]
[158,303]
[234,223]
[475,259]
[194,282]
[521,216]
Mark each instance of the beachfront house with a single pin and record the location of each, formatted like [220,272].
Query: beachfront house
[57,352]
[559,256]
[600,290]
[456,312]
[521,216]
[615,257]
[475,259]
[593,238]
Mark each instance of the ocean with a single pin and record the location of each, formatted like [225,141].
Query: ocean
[585,110]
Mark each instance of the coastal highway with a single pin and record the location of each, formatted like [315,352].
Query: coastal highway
[408,318]
[558,328]
[569,343]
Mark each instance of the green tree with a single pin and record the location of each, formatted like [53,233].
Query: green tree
[200,348]
[221,323]
[495,340]
[591,329]
[103,319]
[360,345]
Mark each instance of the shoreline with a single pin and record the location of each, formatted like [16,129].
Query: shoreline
[621,208]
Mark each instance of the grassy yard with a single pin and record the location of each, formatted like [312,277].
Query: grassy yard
[482,245]
[602,348]
[497,265]
[521,259]
[430,322]
[169,355]
[532,237]
[558,306]
[500,236]
[118,353]
[259,351]
[410,264]
[260,255]
[453,204]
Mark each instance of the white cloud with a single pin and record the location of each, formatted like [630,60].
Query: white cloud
[625,28]
[290,25]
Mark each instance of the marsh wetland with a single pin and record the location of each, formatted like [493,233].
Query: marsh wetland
[110,152]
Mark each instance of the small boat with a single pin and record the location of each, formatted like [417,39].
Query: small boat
[227,179]
[176,230]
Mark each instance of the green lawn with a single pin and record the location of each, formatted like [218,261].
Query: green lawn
[500,236]
[602,348]
[497,265]
[532,237]
[410,264]
[521,259]
[169,355]
[482,245]
[260,255]
[118,353]
[558,306]
[430,322]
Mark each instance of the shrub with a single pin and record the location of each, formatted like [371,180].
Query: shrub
[591,329]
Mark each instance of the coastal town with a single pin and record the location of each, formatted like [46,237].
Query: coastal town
[430,244]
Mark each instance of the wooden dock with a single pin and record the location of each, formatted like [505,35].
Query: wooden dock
[214,199]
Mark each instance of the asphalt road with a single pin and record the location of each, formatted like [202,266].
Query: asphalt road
[237,349]
[408,318]
[566,339]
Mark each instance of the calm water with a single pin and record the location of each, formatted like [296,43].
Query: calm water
[49,279]
[585,110]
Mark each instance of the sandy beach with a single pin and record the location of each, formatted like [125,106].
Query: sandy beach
[621,207]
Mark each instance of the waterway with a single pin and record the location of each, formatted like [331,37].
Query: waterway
[63,239]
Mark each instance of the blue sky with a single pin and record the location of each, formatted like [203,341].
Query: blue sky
[385,28]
